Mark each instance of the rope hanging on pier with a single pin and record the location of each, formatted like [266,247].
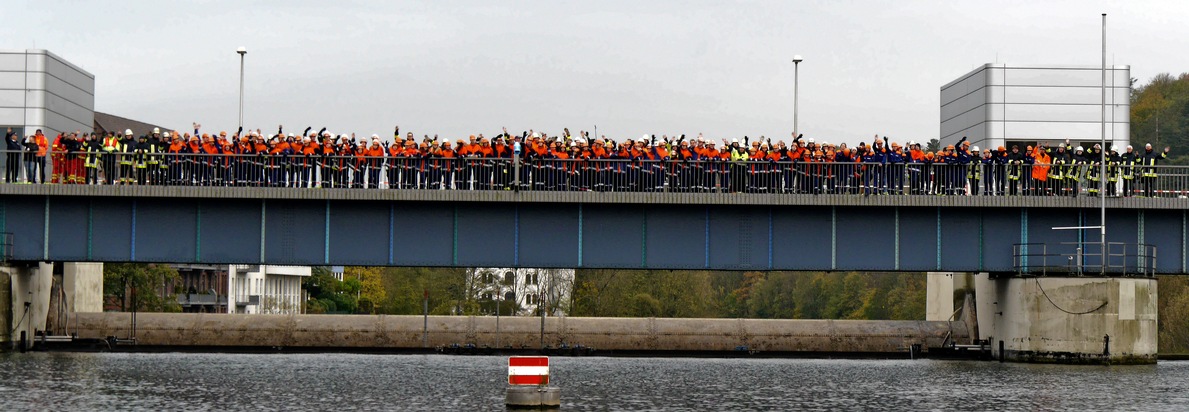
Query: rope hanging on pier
[1046,294]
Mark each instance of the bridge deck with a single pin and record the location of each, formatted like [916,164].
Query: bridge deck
[753,199]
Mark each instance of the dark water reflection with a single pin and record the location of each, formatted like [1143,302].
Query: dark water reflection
[121,381]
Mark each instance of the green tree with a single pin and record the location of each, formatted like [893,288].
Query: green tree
[138,286]
[328,294]
[1173,312]
[933,145]
[447,289]
[1160,115]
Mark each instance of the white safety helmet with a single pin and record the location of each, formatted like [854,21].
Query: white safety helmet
[291,135]
[810,140]
[1077,149]
[166,134]
[974,148]
[127,132]
[156,130]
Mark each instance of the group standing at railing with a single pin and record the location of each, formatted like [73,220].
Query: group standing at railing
[535,161]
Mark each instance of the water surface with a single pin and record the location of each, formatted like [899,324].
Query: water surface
[185,381]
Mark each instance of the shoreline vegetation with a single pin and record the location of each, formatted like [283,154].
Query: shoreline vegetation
[631,293]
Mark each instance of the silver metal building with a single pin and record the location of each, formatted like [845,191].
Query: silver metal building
[998,104]
[40,90]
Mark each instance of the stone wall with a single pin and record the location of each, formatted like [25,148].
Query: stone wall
[603,334]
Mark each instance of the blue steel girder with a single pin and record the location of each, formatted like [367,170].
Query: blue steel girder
[561,235]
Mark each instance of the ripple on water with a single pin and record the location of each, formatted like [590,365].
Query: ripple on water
[177,381]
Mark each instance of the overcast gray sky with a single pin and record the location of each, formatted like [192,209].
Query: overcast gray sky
[630,67]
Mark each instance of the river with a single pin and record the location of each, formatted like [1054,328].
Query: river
[344,382]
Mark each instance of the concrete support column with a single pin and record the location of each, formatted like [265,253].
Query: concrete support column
[946,293]
[1069,320]
[30,299]
[83,284]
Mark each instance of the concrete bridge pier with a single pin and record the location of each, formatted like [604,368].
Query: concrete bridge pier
[27,308]
[1073,320]
[26,294]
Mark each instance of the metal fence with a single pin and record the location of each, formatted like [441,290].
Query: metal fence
[606,175]
[1084,258]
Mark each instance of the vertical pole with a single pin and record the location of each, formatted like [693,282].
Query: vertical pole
[796,90]
[516,165]
[1102,180]
[241,90]
[425,316]
[498,292]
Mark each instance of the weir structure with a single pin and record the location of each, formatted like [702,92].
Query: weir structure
[1047,295]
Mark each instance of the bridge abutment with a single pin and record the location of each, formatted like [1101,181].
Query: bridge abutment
[1072,320]
[29,300]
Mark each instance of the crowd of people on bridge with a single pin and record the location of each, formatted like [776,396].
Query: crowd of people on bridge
[533,160]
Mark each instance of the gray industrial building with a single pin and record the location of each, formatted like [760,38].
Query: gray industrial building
[40,90]
[997,105]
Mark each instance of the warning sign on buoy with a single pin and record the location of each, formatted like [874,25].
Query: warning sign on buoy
[528,370]
[528,383]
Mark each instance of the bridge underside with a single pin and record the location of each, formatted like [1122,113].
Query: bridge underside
[388,232]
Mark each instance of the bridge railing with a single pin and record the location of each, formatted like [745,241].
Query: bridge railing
[608,175]
[1084,258]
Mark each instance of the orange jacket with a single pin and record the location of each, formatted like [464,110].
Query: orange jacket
[42,144]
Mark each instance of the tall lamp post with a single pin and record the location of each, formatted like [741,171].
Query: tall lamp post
[796,80]
[242,51]
[1102,157]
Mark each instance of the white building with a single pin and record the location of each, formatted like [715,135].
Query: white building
[997,104]
[40,90]
[529,288]
[266,289]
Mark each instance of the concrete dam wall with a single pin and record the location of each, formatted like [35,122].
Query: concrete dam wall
[386,332]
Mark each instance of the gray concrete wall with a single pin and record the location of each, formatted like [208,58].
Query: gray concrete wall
[32,285]
[83,284]
[946,293]
[604,334]
[5,309]
[1065,320]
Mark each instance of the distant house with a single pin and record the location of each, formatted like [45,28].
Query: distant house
[105,122]
[240,288]
[528,289]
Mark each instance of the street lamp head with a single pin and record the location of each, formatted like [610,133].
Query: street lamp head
[242,50]
[797,58]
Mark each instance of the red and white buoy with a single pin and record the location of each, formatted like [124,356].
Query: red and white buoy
[528,383]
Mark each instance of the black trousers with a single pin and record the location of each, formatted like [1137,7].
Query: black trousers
[12,168]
